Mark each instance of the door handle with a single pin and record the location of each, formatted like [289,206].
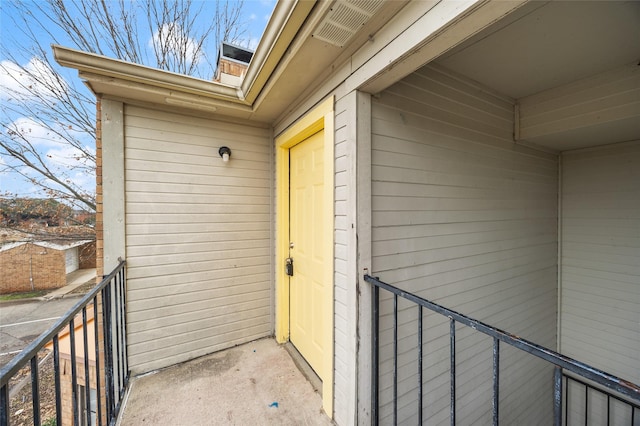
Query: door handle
[288,266]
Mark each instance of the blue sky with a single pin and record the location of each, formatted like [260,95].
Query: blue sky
[256,14]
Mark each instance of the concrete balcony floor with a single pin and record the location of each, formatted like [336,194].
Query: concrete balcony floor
[238,386]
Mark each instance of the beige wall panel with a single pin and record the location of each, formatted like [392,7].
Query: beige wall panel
[600,322]
[198,236]
[466,218]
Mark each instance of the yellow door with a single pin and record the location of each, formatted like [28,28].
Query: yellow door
[307,285]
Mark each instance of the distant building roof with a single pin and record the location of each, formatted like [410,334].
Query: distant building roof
[60,245]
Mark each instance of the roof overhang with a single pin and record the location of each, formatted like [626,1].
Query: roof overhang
[283,66]
[122,80]
[292,64]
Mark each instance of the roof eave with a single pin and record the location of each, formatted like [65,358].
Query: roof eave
[286,20]
[93,64]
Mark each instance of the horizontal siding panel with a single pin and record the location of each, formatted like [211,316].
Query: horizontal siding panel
[200,208]
[255,159]
[240,170]
[194,199]
[186,228]
[401,232]
[391,174]
[160,352]
[187,124]
[607,97]
[464,217]
[463,107]
[198,236]
[193,312]
[215,287]
[600,322]
[453,216]
[188,179]
[258,236]
[196,278]
[440,82]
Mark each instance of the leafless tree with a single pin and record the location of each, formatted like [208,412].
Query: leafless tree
[47,122]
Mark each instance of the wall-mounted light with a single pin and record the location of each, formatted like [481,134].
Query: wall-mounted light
[225,153]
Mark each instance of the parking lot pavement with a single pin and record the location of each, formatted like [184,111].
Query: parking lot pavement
[23,321]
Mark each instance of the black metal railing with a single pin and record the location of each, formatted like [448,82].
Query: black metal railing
[605,402]
[82,393]
[593,380]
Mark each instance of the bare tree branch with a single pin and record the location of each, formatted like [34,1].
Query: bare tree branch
[47,123]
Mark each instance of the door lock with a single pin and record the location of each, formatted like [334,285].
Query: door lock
[288,267]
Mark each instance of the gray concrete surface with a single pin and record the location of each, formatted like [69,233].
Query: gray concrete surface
[238,386]
[74,280]
[23,321]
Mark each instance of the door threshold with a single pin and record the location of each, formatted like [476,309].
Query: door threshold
[304,367]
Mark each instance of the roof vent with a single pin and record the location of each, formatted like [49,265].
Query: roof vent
[344,19]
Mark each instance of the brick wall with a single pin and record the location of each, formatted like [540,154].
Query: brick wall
[100,249]
[66,385]
[99,208]
[87,254]
[30,267]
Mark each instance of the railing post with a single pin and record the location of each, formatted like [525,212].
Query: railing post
[496,381]
[4,405]
[374,353]
[420,396]
[56,375]
[452,358]
[557,396]
[35,390]
[395,359]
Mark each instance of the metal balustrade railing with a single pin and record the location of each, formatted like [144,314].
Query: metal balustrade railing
[588,392]
[90,372]
[609,387]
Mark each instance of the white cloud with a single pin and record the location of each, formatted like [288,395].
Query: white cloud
[37,134]
[29,82]
[62,158]
[172,38]
[67,157]
[253,17]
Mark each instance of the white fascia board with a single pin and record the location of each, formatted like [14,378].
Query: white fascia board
[92,64]
[285,22]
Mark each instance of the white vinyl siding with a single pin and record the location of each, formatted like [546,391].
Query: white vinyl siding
[600,320]
[198,236]
[465,217]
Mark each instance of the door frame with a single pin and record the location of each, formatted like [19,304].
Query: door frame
[319,118]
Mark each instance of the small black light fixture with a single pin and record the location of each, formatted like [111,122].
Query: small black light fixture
[225,153]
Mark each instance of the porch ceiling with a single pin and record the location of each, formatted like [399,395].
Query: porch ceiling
[545,45]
